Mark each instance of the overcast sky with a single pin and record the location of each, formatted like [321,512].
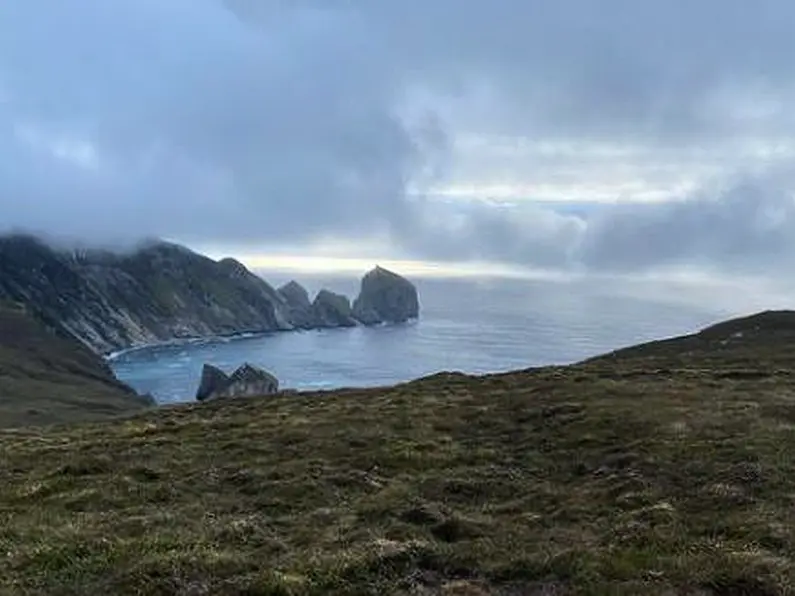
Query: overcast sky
[615,136]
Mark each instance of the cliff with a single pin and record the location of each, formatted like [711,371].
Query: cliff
[159,292]
[45,379]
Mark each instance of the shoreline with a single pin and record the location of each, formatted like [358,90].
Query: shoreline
[177,341]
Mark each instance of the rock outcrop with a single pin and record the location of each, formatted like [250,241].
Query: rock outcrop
[213,380]
[163,291]
[300,307]
[332,310]
[246,381]
[386,297]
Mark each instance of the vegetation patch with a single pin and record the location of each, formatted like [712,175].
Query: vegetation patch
[607,477]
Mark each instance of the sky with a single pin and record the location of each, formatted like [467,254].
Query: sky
[615,137]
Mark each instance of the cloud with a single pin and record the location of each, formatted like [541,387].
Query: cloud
[747,226]
[265,123]
[741,225]
[180,119]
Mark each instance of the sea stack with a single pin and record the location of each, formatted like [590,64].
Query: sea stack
[298,304]
[386,297]
[213,380]
[246,381]
[332,310]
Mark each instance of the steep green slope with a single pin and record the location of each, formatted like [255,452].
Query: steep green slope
[665,469]
[46,379]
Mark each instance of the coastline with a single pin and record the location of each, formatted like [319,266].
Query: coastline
[177,341]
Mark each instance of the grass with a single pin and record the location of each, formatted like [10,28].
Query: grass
[640,473]
[46,379]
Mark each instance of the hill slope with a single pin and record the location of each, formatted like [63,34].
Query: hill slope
[764,340]
[46,379]
[652,472]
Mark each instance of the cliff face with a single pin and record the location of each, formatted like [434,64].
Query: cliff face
[169,292]
[160,292]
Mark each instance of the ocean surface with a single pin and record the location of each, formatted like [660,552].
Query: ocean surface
[468,325]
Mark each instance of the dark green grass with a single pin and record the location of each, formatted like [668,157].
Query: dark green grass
[584,479]
[46,379]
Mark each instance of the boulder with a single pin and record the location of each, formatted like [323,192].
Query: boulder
[213,380]
[386,297]
[332,310]
[246,381]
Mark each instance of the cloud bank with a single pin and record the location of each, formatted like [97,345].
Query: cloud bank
[264,124]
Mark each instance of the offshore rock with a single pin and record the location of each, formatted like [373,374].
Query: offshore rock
[386,297]
[298,304]
[246,381]
[213,380]
[332,310]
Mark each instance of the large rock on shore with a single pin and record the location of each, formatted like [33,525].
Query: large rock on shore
[386,297]
[246,381]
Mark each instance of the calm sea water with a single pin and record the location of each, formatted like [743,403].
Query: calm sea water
[474,326]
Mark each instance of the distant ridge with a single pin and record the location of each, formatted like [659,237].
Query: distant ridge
[159,292]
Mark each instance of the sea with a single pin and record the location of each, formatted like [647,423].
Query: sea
[473,325]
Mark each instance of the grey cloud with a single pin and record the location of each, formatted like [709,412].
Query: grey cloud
[748,226]
[617,67]
[742,225]
[203,125]
[523,235]
[269,122]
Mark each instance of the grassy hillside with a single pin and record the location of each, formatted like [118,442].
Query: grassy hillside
[659,470]
[45,379]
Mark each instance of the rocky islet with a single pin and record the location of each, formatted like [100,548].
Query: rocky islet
[246,381]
